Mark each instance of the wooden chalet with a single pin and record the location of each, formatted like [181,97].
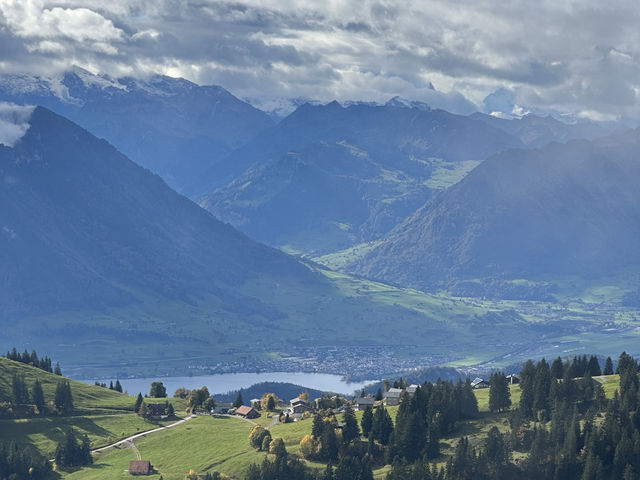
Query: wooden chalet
[247,412]
[140,467]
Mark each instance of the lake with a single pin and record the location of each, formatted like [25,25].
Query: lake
[226,382]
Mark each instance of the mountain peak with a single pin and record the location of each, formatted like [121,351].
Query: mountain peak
[401,102]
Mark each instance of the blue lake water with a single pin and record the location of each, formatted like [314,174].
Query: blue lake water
[223,383]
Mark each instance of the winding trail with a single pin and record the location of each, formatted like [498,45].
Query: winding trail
[129,440]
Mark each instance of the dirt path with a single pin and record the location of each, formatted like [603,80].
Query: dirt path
[129,440]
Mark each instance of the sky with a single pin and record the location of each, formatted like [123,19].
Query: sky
[580,57]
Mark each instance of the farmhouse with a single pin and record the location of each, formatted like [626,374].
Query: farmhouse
[298,405]
[140,467]
[392,396]
[479,383]
[157,410]
[255,403]
[247,412]
[411,389]
[364,402]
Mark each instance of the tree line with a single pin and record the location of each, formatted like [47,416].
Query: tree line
[43,363]
[22,463]
[25,402]
[563,428]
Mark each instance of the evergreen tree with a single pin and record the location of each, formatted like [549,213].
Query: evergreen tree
[117,387]
[382,425]
[238,402]
[20,391]
[72,452]
[367,421]
[608,367]
[139,401]
[271,404]
[557,369]
[527,380]
[317,427]
[594,366]
[329,444]
[499,393]
[170,410]
[378,395]
[57,370]
[111,385]
[63,400]
[541,387]
[350,430]
[37,396]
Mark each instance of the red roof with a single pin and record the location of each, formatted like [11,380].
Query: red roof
[243,410]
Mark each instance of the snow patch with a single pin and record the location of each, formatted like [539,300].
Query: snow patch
[14,122]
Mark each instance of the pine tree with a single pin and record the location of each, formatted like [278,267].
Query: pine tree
[139,401]
[117,387]
[20,391]
[317,428]
[378,395]
[367,421]
[350,431]
[63,399]
[527,380]
[608,367]
[37,396]
[594,366]
[557,369]
[329,444]
[238,402]
[57,370]
[499,394]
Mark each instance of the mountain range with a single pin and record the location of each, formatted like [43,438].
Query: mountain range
[327,177]
[171,126]
[109,269]
[569,209]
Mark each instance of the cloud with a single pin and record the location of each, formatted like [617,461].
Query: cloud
[14,122]
[570,56]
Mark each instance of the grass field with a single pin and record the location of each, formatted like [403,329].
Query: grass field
[221,443]
[86,398]
[104,415]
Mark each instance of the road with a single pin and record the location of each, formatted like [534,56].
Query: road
[129,440]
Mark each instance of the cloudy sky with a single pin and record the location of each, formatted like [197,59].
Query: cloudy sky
[577,56]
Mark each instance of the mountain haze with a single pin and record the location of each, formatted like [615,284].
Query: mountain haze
[111,270]
[565,209]
[171,126]
[329,176]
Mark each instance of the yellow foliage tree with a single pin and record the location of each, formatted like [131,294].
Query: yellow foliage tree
[264,401]
[308,447]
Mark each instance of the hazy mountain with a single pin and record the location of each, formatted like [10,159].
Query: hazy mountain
[329,176]
[111,270]
[84,227]
[537,131]
[171,126]
[565,209]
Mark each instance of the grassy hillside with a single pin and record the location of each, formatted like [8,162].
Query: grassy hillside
[87,399]
[213,444]
[104,415]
